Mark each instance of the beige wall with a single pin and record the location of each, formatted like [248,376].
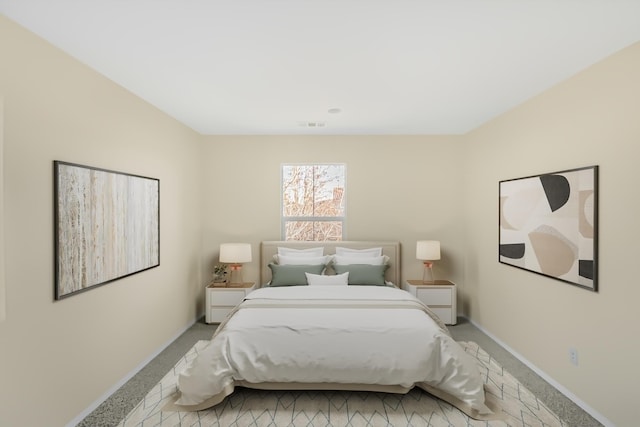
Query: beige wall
[591,119]
[398,188]
[57,358]
[2,285]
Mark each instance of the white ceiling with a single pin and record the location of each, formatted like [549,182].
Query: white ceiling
[390,66]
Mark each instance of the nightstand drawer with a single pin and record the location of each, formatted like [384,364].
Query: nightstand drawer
[433,296]
[445,315]
[218,314]
[439,296]
[228,297]
[221,300]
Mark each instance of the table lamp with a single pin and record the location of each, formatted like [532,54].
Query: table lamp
[235,254]
[428,251]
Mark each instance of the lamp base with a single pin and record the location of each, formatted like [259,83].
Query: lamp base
[235,278]
[427,274]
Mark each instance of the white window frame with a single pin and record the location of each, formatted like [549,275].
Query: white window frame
[284,219]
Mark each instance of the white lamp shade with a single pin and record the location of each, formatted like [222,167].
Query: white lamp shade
[235,253]
[428,250]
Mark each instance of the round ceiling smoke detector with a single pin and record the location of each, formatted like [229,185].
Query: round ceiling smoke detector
[334,110]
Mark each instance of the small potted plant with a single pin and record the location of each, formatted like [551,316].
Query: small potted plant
[220,274]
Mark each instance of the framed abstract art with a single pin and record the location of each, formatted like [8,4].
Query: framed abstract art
[107,226]
[548,224]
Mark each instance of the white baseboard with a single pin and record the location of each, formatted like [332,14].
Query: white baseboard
[127,377]
[588,409]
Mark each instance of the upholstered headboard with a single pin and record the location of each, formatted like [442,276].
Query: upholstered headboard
[391,249]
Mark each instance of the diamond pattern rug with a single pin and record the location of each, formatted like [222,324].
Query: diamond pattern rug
[257,408]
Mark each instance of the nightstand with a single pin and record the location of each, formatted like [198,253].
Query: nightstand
[221,300]
[439,296]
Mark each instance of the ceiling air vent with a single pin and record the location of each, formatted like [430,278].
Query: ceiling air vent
[313,124]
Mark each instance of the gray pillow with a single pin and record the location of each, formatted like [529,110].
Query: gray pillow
[363,274]
[290,275]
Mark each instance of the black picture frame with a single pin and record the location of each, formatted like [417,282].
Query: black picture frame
[548,224]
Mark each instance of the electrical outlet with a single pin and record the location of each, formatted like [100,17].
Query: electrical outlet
[573,356]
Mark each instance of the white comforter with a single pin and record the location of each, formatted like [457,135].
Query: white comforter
[341,335]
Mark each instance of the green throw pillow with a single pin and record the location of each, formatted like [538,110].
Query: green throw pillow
[290,275]
[363,274]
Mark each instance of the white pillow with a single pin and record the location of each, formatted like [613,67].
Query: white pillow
[301,252]
[346,260]
[300,260]
[359,252]
[323,280]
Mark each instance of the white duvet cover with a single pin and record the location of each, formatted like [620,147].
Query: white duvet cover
[342,337]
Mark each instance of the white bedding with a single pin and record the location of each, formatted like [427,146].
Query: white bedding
[350,337]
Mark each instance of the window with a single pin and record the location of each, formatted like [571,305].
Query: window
[313,206]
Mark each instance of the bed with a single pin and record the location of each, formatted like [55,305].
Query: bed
[359,334]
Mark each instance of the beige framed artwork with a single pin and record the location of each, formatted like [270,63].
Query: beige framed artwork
[548,224]
[107,226]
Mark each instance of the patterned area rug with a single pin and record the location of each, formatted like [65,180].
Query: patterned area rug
[257,408]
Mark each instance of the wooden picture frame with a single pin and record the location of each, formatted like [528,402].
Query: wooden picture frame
[548,224]
[107,226]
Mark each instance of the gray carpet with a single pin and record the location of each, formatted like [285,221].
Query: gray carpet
[114,409]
